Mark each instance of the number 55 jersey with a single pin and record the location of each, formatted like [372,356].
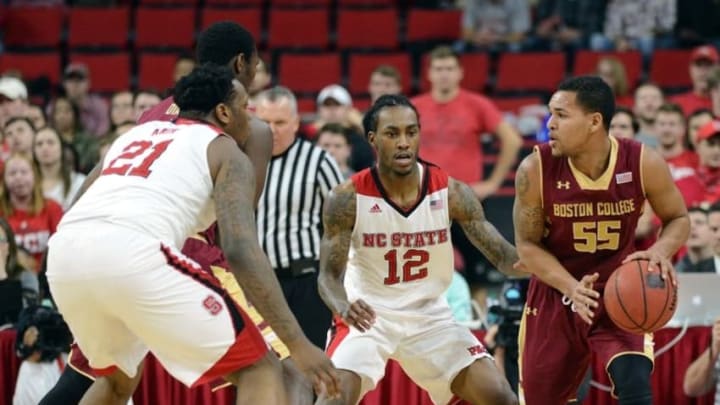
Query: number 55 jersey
[590,224]
[156,180]
[401,258]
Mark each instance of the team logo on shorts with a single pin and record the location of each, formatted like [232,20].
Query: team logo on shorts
[212,305]
[476,350]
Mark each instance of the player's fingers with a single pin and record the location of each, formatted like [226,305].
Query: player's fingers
[634,256]
[365,312]
[330,380]
[366,307]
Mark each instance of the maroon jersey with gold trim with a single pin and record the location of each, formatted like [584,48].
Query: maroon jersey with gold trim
[166,110]
[590,224]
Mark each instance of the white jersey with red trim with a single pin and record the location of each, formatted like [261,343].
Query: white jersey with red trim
[400,259]
[155,179]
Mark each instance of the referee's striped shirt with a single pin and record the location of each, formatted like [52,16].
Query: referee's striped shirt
[289,215]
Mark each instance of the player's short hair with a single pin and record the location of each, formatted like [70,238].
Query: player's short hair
[593,95]
[672,108]
[20,118]
[633,119]
[370,120]
[204,88]
[443,52]
[222,41]
[388,71]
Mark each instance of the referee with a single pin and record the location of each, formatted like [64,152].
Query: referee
[299,179]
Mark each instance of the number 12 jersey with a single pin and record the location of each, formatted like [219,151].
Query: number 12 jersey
[400,258]
[155,179]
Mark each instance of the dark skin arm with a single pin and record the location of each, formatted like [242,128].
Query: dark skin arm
[669,205]
[466,210]
[529,222]
[258,147]
[234,189]
[338,222]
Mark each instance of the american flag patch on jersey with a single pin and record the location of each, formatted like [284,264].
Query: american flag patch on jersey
[622,178]
[436,204]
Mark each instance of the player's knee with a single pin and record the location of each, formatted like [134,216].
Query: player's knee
[631,377]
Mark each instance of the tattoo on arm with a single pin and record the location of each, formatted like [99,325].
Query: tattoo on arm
[468,212]
[338,221]
[234,197]
[529,218]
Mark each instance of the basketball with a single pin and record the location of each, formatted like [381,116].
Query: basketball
[639,301]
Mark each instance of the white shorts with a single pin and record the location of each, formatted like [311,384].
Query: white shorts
[431,350]
[123,293]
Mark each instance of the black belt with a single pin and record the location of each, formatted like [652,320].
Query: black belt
[298,268]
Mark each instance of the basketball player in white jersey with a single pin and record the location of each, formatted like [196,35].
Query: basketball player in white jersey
[119,279]
[386,260]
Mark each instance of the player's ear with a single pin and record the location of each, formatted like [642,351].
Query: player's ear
[240,63]
[596,122]
[223,113]
[371,137]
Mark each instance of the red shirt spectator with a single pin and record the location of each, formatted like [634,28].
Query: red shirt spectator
[702,60]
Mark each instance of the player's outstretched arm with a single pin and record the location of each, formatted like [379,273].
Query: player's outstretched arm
[234,192]
[669,205]
[466,210]
[529,223]
[338,223]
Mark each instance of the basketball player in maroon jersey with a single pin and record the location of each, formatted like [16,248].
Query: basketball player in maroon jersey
[578,199]
[223,43]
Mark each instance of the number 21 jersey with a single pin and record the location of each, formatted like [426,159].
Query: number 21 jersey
[400,258]
[590,224]
[155,179]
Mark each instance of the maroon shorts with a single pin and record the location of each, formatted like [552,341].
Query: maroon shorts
[556,345]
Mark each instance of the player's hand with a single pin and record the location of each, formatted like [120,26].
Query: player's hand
[318,368]
[360,315]
[584,298]
[657,261]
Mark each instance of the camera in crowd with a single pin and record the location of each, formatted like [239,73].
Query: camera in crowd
[508,312]
[50,336]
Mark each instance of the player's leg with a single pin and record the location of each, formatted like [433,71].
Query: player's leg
[630,375]
[69,389]
[298,388]
[550,334]
[260,383]
[113,389]
[360,357]
[481,383]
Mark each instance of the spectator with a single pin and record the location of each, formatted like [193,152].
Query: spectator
[702,375]
[13,98]
[335,107]
[385,79]
[702,62]
[636,24]
[65,118]
[452,121]
[10,269]
[183,66]
[145,100]
[700,243]
[36,115]
[494,24]
[714,88]
[612,71]
[121,109]
[59,181]
[708,141]
[334,140]
[670,127]
[289,211]
[648,99]
[624,124]
[94,110]
[696,121]
[19,134]
[32,217]
[568,24]
[714,224]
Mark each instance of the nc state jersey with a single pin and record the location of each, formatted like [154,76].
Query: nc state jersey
[400,258]
[155,179]
[590,224]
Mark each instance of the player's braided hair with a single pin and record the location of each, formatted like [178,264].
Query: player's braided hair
[370,119]
[222,41]
[204,88]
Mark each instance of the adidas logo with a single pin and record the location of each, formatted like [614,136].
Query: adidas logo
[375,209]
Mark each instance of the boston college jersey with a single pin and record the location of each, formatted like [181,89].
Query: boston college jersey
[590,224]
[399,258]
[155,179]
